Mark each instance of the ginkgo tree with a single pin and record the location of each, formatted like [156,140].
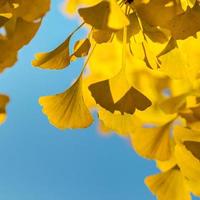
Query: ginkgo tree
[143,80]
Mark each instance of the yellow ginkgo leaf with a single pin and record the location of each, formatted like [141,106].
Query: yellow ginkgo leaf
[194,187]
[101,36]
[188,159]
[192,56]
[185,66]
[153,143]
[187,152]
[174,104]
[156,34]
[81,48]
[121,124]
[59,58]
[193,117]
[150,58]
[174,68]
[132,99]
[162,15]
[168,185]
[3,103]
[133,29]
[182,135]
[56,59]
[116,91]
[186,24]
[18,30]
[171,44]
[36,9]
[105,65]
[68,109]
[103,129]
[22,34]
[167,164]
[103,16]
[7,57]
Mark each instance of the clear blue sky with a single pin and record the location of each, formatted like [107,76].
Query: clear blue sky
[39,162]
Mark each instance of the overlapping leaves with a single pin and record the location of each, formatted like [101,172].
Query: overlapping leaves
[19,22]
[142,59]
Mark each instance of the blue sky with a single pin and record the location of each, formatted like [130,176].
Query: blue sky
[39,162]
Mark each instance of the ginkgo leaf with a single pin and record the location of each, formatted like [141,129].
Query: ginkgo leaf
[23,33]
[187,152]
[174,68]
[105,65]
[156,34]
[132,99]
[7,57]
[182,134]
[168,185]
[167,164]
[3,103]
[186,24]
[150,59]
[162,15]
[187,161]
[81,48]
[97,15]
[68,109]
[101,36]
[103,16]
[121,124]
[174,104]
[103,129]
[36,9]
[133,29]
[194,186]
[56,59]
[193,117]
[153,143]
[171,44]
[116,91]
[191,57]
[18,30]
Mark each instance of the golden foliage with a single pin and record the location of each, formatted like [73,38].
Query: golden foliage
[143,80]
[20,20]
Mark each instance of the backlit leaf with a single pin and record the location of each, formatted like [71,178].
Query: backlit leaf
[168,185]
[68,109]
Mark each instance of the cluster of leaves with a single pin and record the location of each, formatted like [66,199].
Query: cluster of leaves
[143,80]
[19,21]
[142,59]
